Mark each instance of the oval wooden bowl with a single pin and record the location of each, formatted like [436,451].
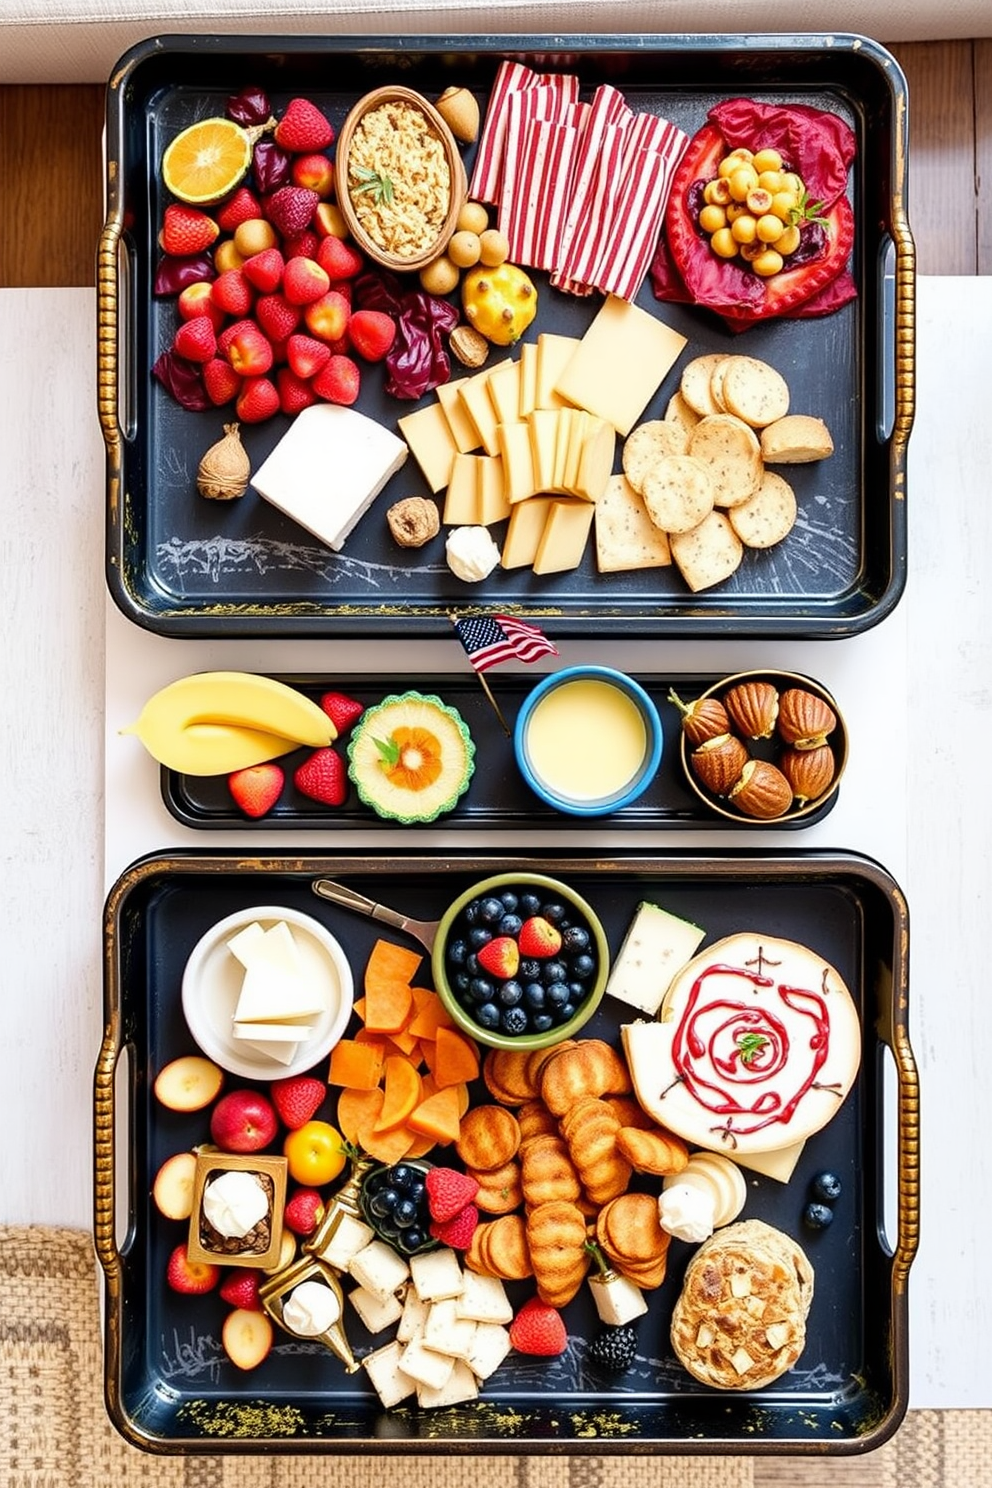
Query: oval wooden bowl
[400,263]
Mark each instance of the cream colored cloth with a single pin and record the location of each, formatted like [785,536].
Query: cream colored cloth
[79,41]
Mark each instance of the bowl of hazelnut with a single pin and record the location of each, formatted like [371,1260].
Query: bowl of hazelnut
[763,747]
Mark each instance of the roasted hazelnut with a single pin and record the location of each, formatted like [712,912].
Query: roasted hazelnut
[718,763]
[762,791]
[804,719]
[702,719]
[810,772]
[753,708]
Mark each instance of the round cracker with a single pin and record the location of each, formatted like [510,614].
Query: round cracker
[695,384]
[678,412]
[716,383]
[768,516]
[754,391]
[730,451]
[709,553]
[678,493]
[647,444]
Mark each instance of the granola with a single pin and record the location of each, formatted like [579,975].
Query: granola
[399,179]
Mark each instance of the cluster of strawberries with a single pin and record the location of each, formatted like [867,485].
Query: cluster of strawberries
[272,327]
[322,776]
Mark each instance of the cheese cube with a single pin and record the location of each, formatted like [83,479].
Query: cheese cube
[349,1237]
[524,532]
[460,1386]
[414,1318]
[436,1274]
[376,1312]
[553,354]
[425,1365]
[463,431]
[484,1299]
[328,468]
[656,946]
[564,538]
[528,379]
[490,1347]
[518,462]
[378,1269]
[493,505]
[429,436]
[247,941]
[446,1331]
[461,505]
[388,1380]
[618,1300]
[620,363]
[503,386]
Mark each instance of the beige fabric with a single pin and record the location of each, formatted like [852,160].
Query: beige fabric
[79,41]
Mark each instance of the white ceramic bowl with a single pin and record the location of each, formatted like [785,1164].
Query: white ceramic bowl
[212,984]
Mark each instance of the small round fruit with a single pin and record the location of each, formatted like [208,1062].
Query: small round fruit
[767,160]
[206,161]
[226,256]
[439,277]
[733,161]
[465,249]
[172,1189]
[759,201]
[818,1216]
[768,263]
[255,236]
[743,180]
[789,241]
[769,228]
[712,218]
[827,1187]
[723,243]
[717,192]
[243,1121]
[315,1153]
[188,1083]
[247,1337]
[744,228]
[473,218]
[494,247]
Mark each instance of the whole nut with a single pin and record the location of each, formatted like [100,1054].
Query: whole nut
[718,763]
[413,521]
[469,346]
[804,719]
[762,791]
[753,708]
[460,111]
[702,719]
[810,772]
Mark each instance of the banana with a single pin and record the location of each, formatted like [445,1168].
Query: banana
[214,722]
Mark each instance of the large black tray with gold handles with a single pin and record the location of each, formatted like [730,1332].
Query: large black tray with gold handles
[180,565]
[169,1384]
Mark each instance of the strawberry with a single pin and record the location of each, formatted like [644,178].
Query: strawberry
[306,355]
[448,1192]
[322,777]
[257,789]
[327,317]
[198,299]
[243,206]
[291,209]
[303,128]
[240,1289]
[246,348]
[277,317]
[538,1329]
[304,1211]
[342,260]
[257,400]
[192,1278]
[233,293]
[372,333]
[341,709]
[221,381]
[500,956]
[186,230]
[264,270]
[304,281]
[297,1099]
[295,393]
[301,245]
[538,937]
[339,381]
[458,1231]
[196,339]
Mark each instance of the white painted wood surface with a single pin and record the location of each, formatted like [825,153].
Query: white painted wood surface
[917,692]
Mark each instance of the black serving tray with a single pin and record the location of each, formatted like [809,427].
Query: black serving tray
[181,566]
[498,796]
[169,1386]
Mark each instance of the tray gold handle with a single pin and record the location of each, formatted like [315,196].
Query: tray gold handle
[905,350]
[908,1157]
[104,1146]
[107,337]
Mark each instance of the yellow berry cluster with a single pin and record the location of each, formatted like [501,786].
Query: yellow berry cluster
[754,209]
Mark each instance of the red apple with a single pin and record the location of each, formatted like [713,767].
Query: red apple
[243,1121]
[315,172]
[197,299]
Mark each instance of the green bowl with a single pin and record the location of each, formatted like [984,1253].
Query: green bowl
[521,881]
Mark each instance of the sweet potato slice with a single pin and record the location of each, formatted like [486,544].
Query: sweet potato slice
[358,1065]
[431,1014]
[456,1058]
[438,1116]
[390,1146]
[358,1110]
[401,1093]
[388,974]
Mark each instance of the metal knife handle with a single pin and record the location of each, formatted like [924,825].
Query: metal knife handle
[422,930]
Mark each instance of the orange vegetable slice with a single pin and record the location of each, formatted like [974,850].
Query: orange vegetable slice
[206,161]
[431,1014]
[456,1058]
[438,1116]
[391,1146]
[358,1065]
[358,1110]
[388,999]
[401,1094]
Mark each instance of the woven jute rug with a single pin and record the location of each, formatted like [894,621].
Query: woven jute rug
[55,1433]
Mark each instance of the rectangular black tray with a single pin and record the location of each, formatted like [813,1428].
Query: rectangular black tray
[168,1384]
[182,566]
[498,796]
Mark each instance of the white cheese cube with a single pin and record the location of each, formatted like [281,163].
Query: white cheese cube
[618,1301]
[656,946]
[350,1236]
[388,1380]
[447,1332]
[484,1299]
[436,1275]
[376,1312]
[425,1365]
[461,1385]
[378,1269]
[414,1318]
[242,945]
[490,1347]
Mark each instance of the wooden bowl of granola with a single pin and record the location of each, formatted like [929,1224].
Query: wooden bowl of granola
[399,178]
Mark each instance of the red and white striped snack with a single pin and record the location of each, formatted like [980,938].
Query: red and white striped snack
[535,153]
[597,222]
[654,149]
[607,107]
[487,172]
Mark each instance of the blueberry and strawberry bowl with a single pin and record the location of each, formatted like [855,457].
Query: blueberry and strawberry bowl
[520,960]
[394,1201]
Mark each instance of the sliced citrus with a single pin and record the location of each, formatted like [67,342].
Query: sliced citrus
[207,160]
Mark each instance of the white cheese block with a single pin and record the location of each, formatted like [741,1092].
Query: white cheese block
[414,1318]
[656,946]
[378,1269]
[446,1331]
[436,1274]
[490,1347]
[779,1165]
[242,945]
[269,995]
[618,1300]
[388,1379]
[349,1237]
[484,1299]
[281,1053]
[328,468]
[273,1033]
[425,1365]
[460,1386]
[376,1312]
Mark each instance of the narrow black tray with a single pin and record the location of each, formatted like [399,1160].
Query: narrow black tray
[497,796]
[182,566]
[169,1386]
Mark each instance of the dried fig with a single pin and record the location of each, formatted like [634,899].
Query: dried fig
[413,521]
[753,708]
[762,791]
[718,763]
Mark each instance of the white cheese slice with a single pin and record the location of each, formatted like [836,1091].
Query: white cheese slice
[436,1275]
[779,1165]
[269,995]
[426,1365]
[460,1386]
[375,1312]
[490,1347]
[378,1269]
[446,1331]
[483,1299]
[388,1380]
[414,1318]
[243,945]
[281,1053]
[350,1236]
[328,468]
[620,363]
[656,946]
[274,1033]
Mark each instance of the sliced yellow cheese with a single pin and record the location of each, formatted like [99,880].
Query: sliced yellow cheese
[461,505]
[463,431]
[479,407]
[553,354]
[580,425]
[779,1165]
[432,443]
[543,426]
[528,379]
[564,538]
[619,364]
[595,460]
[494,505]
[525,530]
[503,385]
[518,463]
[567,419]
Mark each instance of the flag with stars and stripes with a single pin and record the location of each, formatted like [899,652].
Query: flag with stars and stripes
[490,639]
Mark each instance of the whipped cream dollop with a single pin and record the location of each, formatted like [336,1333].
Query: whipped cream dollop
[234,1203]
[310,1309]
[471,553]
[686,1213]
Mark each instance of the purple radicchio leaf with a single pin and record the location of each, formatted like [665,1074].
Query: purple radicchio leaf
[183,379]
[249,107]
[173,274]
[418,360]
[271,166]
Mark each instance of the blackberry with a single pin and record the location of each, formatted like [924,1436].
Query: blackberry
[613,1350]
[514,1020]
[530,969]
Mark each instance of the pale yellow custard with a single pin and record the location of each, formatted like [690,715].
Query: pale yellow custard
[586,740]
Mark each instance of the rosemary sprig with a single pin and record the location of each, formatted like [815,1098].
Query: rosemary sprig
[374,184]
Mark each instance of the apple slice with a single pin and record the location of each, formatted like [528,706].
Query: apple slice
[173,1186]
[247,1337]
[188,1083]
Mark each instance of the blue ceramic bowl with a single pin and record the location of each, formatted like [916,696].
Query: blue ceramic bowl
[588,740]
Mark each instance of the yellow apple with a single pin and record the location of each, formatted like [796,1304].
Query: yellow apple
[315,1153]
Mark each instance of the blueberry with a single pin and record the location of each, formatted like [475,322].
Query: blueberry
[415,1189]
[817,1216]
[479,936]
[510,993]
[384,1202]
[513,1020]
[470,914]
[576,991]
[402,1175]
[510,924]
[487,1015]
[566,1011]
[460,981]
[554,913]
[457,951]
[827,1186]
[530,969]
[583,966]
[509,900]
[576,938]
[405,1213]
[490,910]
[414,1238]
[534,996]
[472,964]
[554,971]
[529,905]
[481,989]
[542,1022]
[557,994]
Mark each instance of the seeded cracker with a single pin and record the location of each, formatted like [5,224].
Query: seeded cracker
[754,391]
[768,516]
[709,553]
[678,493]
[796,439]
[695,384]
[626,537]
[731,453]
[646,444]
